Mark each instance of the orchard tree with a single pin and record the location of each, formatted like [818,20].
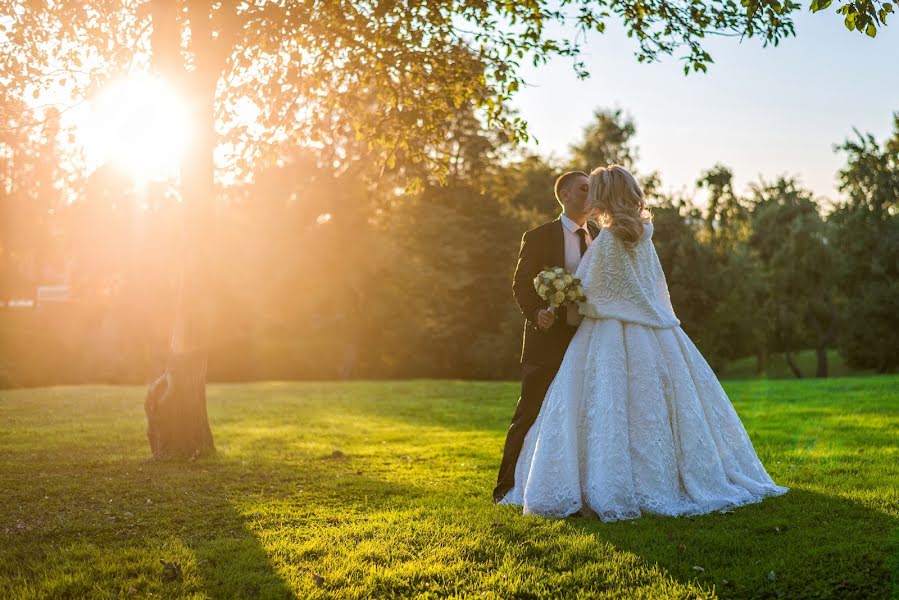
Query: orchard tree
[607,140]
[791,240]
[389,73]
[726,217]
[526,185]
[866,241]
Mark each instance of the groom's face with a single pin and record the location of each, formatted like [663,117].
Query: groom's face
[576,198]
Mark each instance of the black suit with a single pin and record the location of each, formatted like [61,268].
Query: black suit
[541,351]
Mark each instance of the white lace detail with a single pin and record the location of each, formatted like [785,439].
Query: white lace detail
[635,419]
[623,284]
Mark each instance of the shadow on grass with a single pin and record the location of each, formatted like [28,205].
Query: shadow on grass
[75,521]
[800,545]
[267,529]
[143,528]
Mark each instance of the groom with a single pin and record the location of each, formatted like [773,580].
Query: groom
[559,243]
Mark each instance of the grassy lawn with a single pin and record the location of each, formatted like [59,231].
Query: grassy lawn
[361,490]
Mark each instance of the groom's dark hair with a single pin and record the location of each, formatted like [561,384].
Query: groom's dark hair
[564,181]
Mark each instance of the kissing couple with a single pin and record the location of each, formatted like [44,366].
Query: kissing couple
[619,413]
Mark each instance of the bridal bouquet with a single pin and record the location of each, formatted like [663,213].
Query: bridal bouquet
[558,285]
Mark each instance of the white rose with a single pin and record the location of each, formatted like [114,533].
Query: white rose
[543,291]
[558,284]
[571,294]
[549,275]
[558,270]
[558,298]
[568,278]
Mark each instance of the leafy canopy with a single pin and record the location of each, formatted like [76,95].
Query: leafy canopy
[389,72]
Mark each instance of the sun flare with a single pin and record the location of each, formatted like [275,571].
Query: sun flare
[139,124]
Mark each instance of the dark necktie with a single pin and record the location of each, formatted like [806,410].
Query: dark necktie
[582,234]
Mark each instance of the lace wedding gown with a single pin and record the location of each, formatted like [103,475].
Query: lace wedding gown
[635,420]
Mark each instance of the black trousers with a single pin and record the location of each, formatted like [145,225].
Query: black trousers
[535,380]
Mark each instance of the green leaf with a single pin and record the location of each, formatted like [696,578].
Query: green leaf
[871,30]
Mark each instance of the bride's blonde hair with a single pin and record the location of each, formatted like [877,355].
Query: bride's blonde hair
[616,200]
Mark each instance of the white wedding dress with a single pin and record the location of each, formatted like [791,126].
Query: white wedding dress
[635,420]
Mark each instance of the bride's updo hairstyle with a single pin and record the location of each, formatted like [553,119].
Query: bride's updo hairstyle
[615,198]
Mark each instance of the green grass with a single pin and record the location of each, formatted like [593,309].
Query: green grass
[806,361]
[405,510]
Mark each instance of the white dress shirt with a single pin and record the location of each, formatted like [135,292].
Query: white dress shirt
[573,257]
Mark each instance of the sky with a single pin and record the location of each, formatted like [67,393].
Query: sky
[763,112]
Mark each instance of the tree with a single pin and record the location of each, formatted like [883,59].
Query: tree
[690,271]
[726,216]
[791,240]
[606,140]
[865,238]
[389,73]
[526,185]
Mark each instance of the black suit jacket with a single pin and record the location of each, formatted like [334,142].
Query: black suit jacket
[541,248]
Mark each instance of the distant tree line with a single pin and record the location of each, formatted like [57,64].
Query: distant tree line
[392,273]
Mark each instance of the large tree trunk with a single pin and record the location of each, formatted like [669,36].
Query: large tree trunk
[178,425]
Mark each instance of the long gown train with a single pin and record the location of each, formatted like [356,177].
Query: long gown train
[635,420]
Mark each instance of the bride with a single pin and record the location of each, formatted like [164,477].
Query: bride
[635,419]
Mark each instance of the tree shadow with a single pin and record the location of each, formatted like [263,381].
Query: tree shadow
[84,515]
[138,528]
[804,544]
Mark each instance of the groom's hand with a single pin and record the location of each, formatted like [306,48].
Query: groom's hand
[545,319]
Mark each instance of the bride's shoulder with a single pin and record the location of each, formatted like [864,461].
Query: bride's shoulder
[648,230]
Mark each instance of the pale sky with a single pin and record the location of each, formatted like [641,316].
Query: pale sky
[760,111]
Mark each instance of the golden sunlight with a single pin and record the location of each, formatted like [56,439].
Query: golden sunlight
[139,124]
